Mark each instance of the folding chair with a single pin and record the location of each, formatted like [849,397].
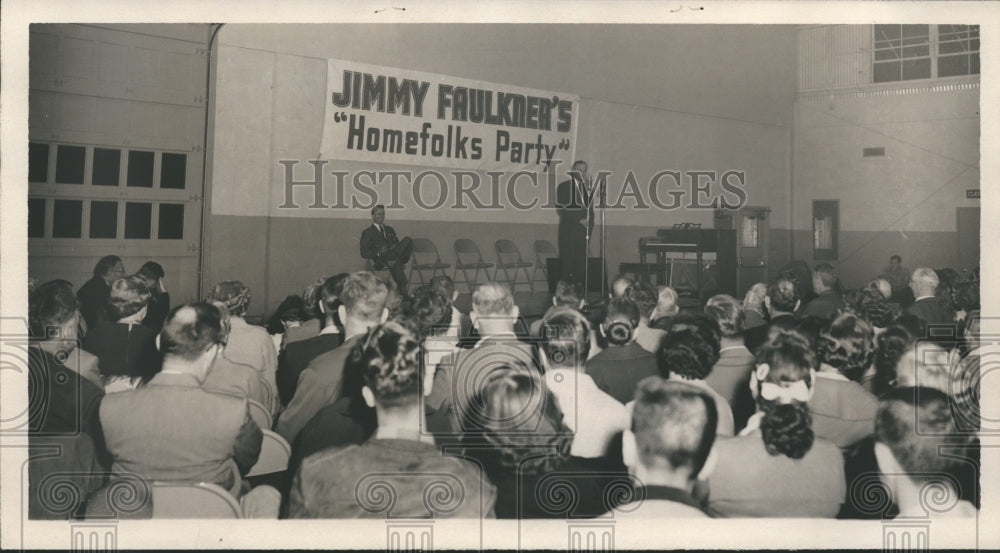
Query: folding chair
[468,256]
[259,414]
[193,500]
[426,258]
[274,455]
[543,251]
[509,258]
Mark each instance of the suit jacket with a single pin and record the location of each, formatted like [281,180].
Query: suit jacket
[372,242]
[235,379]
[296,357]
[124,349]
[933,311]
[618,370]
[93,298]
[252,345]
[174,430]
[571,207]
[842,411]
[824,306]
[67,403]
[308,329]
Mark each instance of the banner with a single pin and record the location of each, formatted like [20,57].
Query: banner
[388,115]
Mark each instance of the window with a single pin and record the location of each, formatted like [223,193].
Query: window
[38,162]
[138,219]
[67,218]
[826,225]
[750,237]
[173,170]
[908,52]
[70,162]
[103,219]
[140,169]
[36,217]
[171,221]
[106,165]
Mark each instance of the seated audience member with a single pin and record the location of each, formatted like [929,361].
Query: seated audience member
[620,286]
[673,429]
[93,295]
[248,344]
[338,483]
[458,375]
[928,365]
[899,279]
[730,376]
[313,322]
[461,325]
[430,314]
[651,306]
[363,307]
[517,433]
[567,295]
[872,306]
[926,304]
[152,274]
[172,429]
[965,381]
[777,467]
[595,417]
[828,299]
[126,349]
[781,301]
[889,349]
[623,364]
[966,298]
[882,286]
[688,353]
[912,427]
[297,355]
[67,425]
[842,410]
[290,313]
[753,306]
[229,377]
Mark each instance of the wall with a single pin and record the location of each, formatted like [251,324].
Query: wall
[652,97]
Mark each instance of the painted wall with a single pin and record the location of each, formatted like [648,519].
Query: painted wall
[652,98]
[904,203]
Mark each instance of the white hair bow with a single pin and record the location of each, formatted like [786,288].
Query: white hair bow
[771,391]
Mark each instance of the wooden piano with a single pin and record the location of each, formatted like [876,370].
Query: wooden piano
[699,242]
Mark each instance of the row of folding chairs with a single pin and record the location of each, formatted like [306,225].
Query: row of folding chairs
[470,263]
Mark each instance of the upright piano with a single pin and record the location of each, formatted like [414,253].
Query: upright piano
[699,242]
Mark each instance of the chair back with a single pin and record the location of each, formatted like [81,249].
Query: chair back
[193,500]
[544,249]
[507,252]
[424,251]
[466,251]
[274,455]
[259,414]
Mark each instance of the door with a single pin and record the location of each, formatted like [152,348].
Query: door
[753,228]
[968,237]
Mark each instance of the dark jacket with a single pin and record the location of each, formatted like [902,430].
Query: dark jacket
[296,357]
[617,370]
[124,349]
[93,297]
[372,242]
[934,311]
[757,336]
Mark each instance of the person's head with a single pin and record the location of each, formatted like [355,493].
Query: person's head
[754,300]
[378,214]
[845,344]
[690,348]
[444,285]
[565,338]
[151,272]
[782,385]
[674,426]
[967,295]
[110,268]
[192,337]
[645,298]
[428,311]
[311,298]
[924,282]
[727,311]
[890,347]
[493,308]
[883,287]
[519,419]
[620,321]
[895,261]
[53,315]
[233,294]
[389,359]
[824,278]
[567,295]
[363,297]
[912,428]
[129,296]
[874,308]
[783,294]
[579,169]
[666,303]
[290,312]
[329,295]
[620,286]
[925,364]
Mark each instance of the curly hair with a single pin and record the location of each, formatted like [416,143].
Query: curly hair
[890,347]
[874,308]
[127,297]
[428,311]
[620,322]
[690,348]
[292,308]
[50,307]
[644,297]
[786,426]
[727,311]
[233,294]
[966,295]
[846,344]
[388,358]
[785,291]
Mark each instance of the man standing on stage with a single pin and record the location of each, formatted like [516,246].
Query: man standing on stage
[380,244]
[576,221]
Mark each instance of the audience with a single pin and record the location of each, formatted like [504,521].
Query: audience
[927,305]
[730,376]
[624,363]
[152,274]
[461,325]
[289,314]
[652,306]
[313,318]
[233,378]
[777,467]
[93,295]
[781,301]
[348,482]
[619,286]
[753,306]
[828,299]
[898,277]
[567,295]
[430,313]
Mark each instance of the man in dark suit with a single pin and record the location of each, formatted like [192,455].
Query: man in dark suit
[380,244]
[781,301]
[828,299]
[93,295]
[576,221]
[926,304]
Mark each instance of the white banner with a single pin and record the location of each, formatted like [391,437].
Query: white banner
[389,115]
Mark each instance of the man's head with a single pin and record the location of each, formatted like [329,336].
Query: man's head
[129,296]
[620,286]
[378,214]
[727,311]
[579,169]
[192,336]
[233,294]
[883,287]
[674,426]
[444,285]
[895,261]
[52,313]
[666,303]
[567,294]
[110,268]
[824,278]
[783,294]
[493,308]
[924,282]
[644,297]
[363,298]
[566,338]
[329,294]
[388,358]
[428,312]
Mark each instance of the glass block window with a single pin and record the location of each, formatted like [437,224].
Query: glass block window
[826,224]
[750,234]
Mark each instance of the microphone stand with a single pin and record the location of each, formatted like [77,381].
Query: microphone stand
[604,241]
[588,202]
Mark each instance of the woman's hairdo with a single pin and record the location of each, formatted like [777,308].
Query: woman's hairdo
[690,348]
[786,426]
[566,337]
[727,311]
[128,296]
[621,320]
[233,294]
[389,357]
[846,345]
[50,307]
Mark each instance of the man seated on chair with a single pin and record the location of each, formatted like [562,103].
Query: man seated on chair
[399,458]
[174,430]
[380,244]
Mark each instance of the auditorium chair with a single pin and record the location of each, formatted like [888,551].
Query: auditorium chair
[259,414]
[193,500]
[468,257]
[426,258]
[274,455]
[544,250]
[508,259]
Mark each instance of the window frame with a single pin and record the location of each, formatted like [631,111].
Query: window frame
[934,55]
